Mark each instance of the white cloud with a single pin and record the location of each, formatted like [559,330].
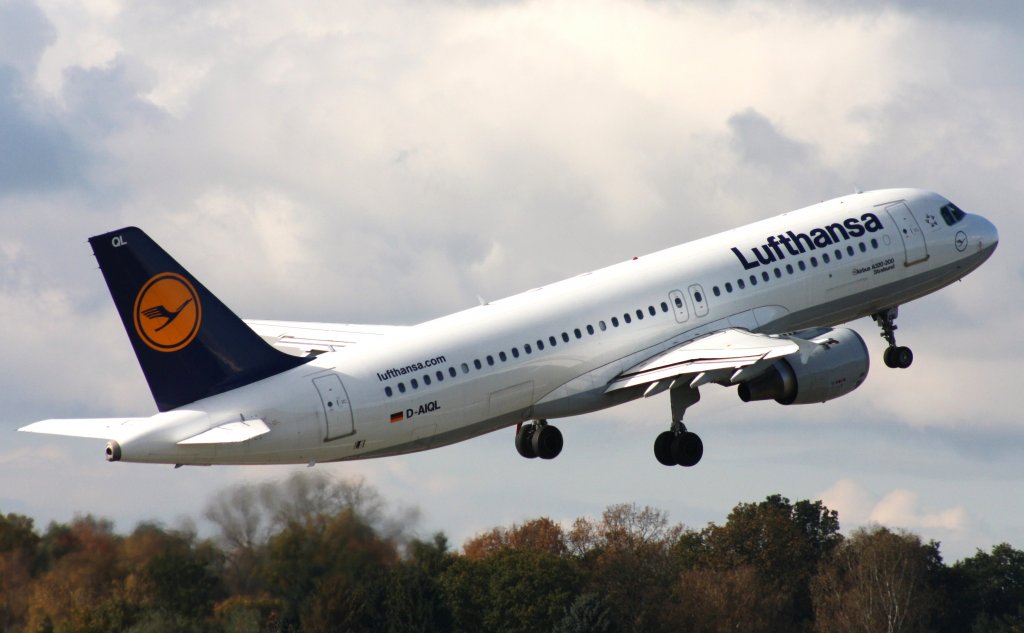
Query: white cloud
[899,508]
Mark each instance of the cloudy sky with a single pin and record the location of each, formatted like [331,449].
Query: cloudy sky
[387,162]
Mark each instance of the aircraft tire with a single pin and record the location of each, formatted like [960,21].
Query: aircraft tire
[524,443]
[903,357]
[663,448]
[687,448]
[547,442]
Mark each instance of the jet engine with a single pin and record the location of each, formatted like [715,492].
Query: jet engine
[832,363]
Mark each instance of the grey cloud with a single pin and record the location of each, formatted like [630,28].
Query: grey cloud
[758,141]
[36,150]
[105,100]
[24,34]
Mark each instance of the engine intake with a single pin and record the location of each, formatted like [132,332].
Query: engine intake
[837,365]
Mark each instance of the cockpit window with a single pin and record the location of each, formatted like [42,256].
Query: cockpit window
[952,214]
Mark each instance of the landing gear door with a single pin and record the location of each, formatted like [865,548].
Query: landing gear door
[910,231]
[337,409]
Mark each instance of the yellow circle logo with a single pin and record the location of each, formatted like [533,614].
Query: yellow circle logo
[167,312]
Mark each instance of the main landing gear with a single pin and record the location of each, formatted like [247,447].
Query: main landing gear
[538,439]
[677,446]
[894,356]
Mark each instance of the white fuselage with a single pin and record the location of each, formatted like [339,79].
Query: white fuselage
[551,352]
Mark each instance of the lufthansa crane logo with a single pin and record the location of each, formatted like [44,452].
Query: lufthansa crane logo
[167,312]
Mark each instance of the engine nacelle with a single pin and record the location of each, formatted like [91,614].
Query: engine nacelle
[837,365]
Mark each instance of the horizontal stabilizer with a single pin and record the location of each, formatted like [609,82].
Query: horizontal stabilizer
[230,433]
[730,349]
[100,428]
[310,338]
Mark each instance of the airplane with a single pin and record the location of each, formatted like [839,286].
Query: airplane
[756,308]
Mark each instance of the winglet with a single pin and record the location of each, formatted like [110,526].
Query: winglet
[189,344]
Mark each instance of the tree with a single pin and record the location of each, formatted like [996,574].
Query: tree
[877,580]
[784,542]
[587,614]
[627,559]
[84,588]
[737,600]
[541,534]
[18,562]
[992,589]
[514,590]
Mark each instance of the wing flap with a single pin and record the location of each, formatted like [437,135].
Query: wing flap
[726,351]
[230,433]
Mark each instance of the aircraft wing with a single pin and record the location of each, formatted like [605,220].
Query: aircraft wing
[731,355]
[300,338]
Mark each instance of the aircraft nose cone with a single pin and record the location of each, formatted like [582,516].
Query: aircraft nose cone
[987,235]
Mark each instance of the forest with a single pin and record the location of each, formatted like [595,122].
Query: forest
[317,553]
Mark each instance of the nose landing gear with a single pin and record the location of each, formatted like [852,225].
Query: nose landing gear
[895,356]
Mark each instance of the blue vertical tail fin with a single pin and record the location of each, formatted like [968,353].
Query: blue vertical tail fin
[189,344]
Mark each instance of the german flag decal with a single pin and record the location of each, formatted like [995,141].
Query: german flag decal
[397,417]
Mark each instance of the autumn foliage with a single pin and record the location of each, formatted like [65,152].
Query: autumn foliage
[313,553]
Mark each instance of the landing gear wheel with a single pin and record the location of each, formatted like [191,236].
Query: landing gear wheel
[663,448]
[898,357]
[524,441]
[903,357]
[687,449]
[547,441]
